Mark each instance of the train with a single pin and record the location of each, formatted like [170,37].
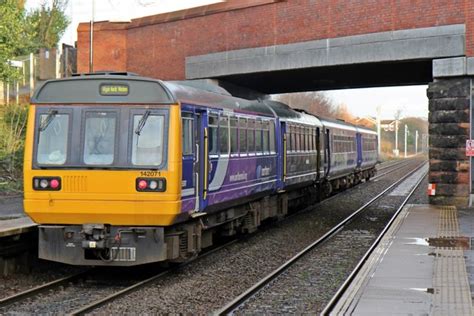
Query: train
[123,170]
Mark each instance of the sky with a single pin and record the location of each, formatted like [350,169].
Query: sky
[411,100]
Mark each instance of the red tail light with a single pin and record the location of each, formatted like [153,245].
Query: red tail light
[54,184]
[142,184]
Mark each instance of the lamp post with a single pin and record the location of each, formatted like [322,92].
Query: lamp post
[406,133]
[378,129]
[416,142]
[396,138]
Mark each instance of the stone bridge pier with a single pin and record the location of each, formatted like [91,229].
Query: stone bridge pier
[450,125]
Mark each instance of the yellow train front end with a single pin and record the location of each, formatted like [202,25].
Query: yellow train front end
[102,170]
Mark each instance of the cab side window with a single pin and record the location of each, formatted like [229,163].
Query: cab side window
[187,134]
[212,136]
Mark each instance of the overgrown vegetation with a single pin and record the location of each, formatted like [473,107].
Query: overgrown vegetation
[12,129]
[24,32]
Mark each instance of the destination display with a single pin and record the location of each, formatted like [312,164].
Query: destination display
[107,89]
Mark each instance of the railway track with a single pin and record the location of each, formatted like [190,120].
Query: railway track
[392,168]
[26,297]
[387,169]
[93,304]
[243,298]
[332,303]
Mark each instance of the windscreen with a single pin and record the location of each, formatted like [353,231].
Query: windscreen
[53,139]
[90,137]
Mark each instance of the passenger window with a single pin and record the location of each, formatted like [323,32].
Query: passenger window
[99,138]
[223,135]
[147,142]
[53,138]
[234,145]
[251,136]
[212,136]
[187,134]
[266,137]
[272,137]
[298,140]
[306,139]
[293,139]
[288,139]
[258,137]
[243,135]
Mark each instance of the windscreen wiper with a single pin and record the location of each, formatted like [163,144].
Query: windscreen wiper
[142,122]
[45,123]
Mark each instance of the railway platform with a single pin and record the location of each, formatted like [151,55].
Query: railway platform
[13,220]
[18,236]
[16,226]
[424,265]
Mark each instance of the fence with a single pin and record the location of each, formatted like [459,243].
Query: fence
[35,69]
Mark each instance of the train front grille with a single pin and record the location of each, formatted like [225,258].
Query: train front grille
[75,184]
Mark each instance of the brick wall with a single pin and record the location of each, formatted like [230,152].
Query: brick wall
[449,128]
[110,47]
[157,46]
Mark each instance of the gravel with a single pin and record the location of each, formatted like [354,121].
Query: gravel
[308,285]
[41,272]
[211,282]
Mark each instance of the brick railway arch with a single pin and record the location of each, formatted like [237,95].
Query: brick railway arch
[277,46]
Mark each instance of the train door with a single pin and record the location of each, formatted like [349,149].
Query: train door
[195,160]
[202,163]
[190,169]
[359,149]
[282,147]
[318,153]
[327,152]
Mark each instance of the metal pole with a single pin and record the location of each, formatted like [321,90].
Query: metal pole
[91,39]
[17,98]
[396,138]
[406,132]
[8,92]
[378,130]
[57,57]
[416,142]
[32,73]
[23,72]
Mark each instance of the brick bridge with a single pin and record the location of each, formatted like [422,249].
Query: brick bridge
[275,46]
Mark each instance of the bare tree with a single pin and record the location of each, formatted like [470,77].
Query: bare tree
[316,103]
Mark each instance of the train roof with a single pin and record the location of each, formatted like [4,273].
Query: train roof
[346,125]
[363,129]
[118,88]
[199,95]
[331,123]
[123,88]
[286,113]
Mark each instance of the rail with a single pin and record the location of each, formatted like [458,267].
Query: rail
[242,298]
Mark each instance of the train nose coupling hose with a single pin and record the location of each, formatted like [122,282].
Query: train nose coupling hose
[96,238]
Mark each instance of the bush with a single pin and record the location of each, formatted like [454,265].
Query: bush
[12,138]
